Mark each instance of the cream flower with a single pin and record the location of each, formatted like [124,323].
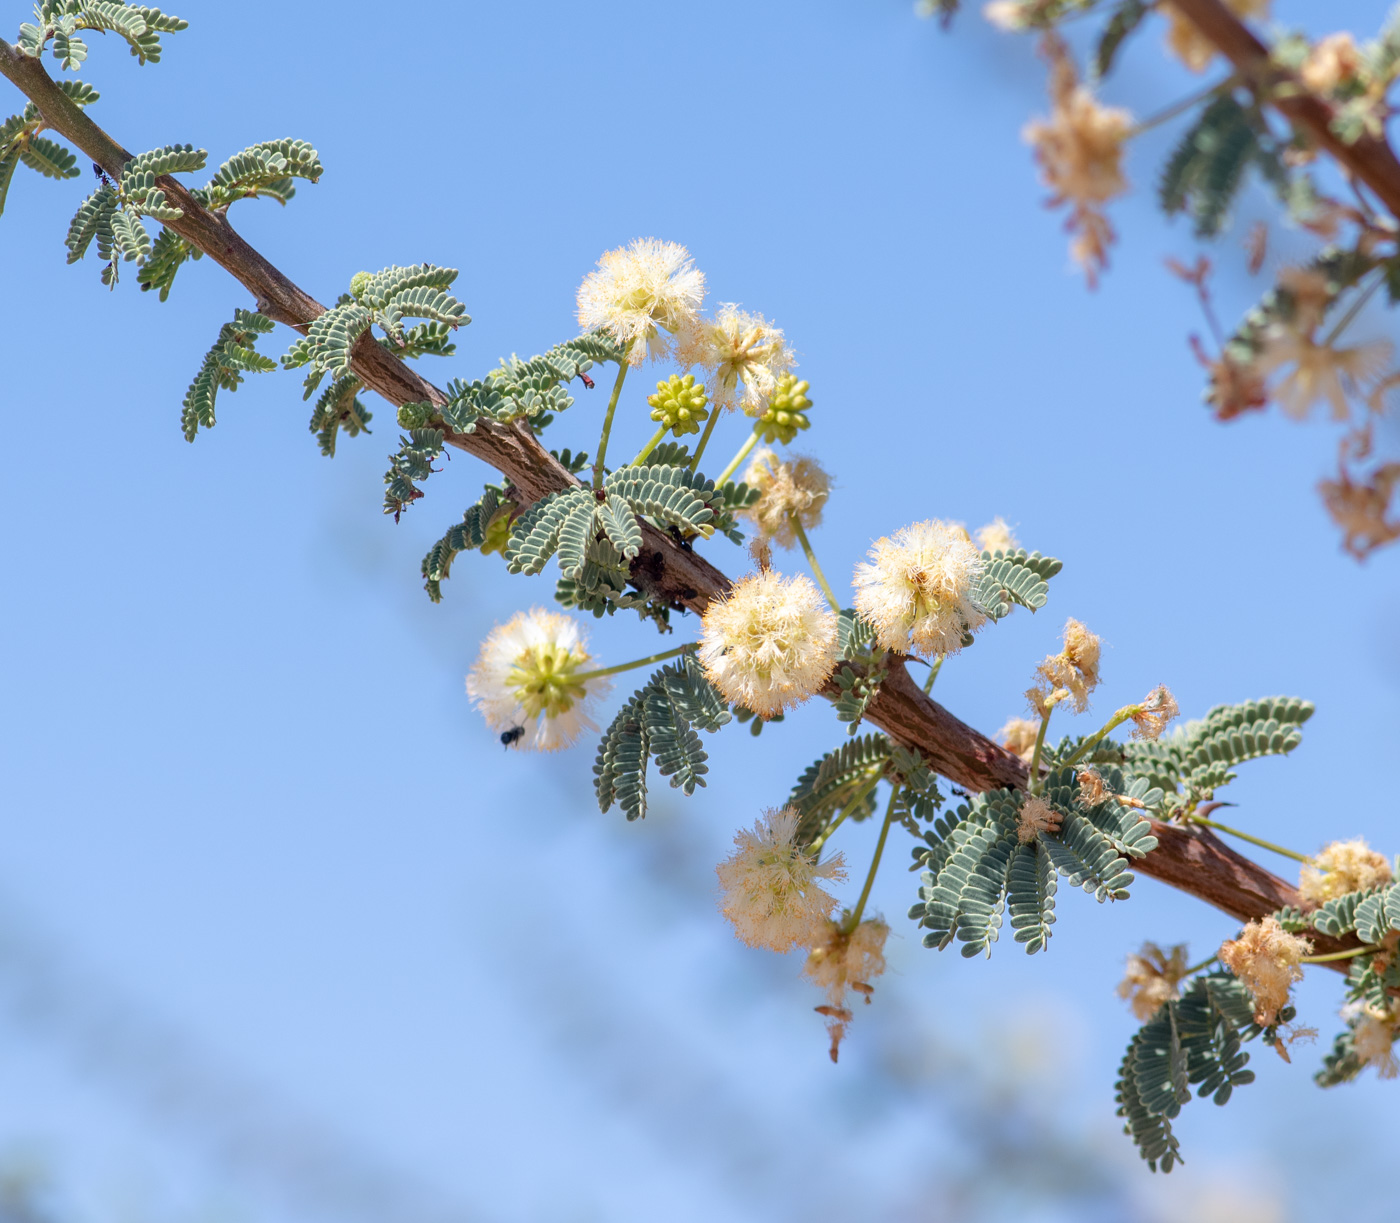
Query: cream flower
[996,536]
[744,356]
[527,678]
[1018,736]
[1092,787]
[1361,508]
[1080,151]
[918,588]
[1321,372]
[639,293]
[1334,61]
[1157,709]
[770,888]
[1344,866]
[1080,147]
[770,644]
[839,962]
[1266,958]
[1373,1036]
[1075,668]
[1036,816]
[1152,978]
[1192,47]
[797,486]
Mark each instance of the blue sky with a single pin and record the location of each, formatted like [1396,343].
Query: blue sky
[273,874]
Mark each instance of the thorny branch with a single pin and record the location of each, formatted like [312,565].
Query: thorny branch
[1192,860]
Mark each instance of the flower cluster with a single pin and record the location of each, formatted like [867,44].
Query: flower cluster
[1152,977]
[793,488]
[1342,867]
[1150,718]
[679,404]
[744,355]
[643,294]
[1071,675]
[1267,959]
[529,681]
[1036,816]
[1080,152]
[918,589]
[841,960]
[770,887]
[770,643]
[1192,47]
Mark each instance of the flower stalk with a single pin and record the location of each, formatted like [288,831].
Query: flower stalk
[737,459]
[854,920]
[636,662]
[812,561]
[608,419]
[1244,836]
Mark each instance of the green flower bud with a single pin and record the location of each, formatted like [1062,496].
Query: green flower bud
[415,415]
[785,416]
[497,533]
[679,404]
[358,283]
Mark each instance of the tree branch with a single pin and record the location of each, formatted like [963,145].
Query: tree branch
[1370,159]
[1191,860]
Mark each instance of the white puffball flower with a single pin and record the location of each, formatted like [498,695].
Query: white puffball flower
[527,678]
[770,644]
[917,589]
[744,356]
[640,293]
[770,886]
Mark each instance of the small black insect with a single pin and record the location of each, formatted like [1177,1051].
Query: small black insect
[681,540]
[509,738]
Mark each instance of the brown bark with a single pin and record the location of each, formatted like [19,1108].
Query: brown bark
[1371,160]
[1191,860]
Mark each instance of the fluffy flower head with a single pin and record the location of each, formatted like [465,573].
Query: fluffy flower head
[744,354]
[1036,816]
[1080,147]
[770,887]
[1018,736]
[839,962]
[770,644]
[1152,978]
[1157,709]
[996,536]
[526,678]
[1333,62]
[1344,866]
[1373,1035]
[639,293]
[1266,958]
[1075,668]
[795,487]
[1321,372]
[1192,47]
[917,589]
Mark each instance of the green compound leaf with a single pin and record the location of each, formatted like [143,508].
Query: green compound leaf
[659,720]
[93,220]
[48,157]
[831,782]
[535,535]
[339,409]
[1207,169]
[1015,577]
[224,365]
[263,170]
[1030,895]
[168,255]
[480,528]
[1126,18]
